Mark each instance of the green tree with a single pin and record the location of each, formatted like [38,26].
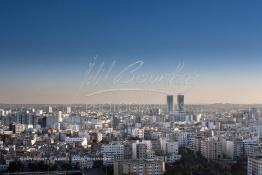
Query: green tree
[66,166]
[16,166]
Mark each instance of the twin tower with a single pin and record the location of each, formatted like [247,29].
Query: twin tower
[180,103]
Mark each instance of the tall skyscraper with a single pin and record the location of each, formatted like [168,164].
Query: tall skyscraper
[170,103]
[68,109]
[50,109]
[60,116]
[180,103]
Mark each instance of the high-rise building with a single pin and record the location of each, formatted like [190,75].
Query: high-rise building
[254,165]
[140,149]
[50,109]
[211,148]
[170,104]
[2,112]
[115,121]
[50,121]
[60,116]
[68,109]
[112,151]
[180,103]
[26,118]
[143,167]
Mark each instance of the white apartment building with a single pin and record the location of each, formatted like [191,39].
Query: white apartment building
[74,140]
[137,132]
[140,167]
[111,152]
[140,149]
[85,161]
[249,146]
[254,165]
[168,146]
[172,157]
[211,148]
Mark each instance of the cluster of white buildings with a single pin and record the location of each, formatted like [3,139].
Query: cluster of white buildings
[142,143]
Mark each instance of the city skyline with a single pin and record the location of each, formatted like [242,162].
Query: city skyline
[46,48]
[144,87]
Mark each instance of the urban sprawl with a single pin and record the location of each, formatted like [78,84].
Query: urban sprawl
[131,139]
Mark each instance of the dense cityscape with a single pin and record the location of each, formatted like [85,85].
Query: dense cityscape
[131,139]
[130,87]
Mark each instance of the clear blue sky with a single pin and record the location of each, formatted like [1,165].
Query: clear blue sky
[46,45]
